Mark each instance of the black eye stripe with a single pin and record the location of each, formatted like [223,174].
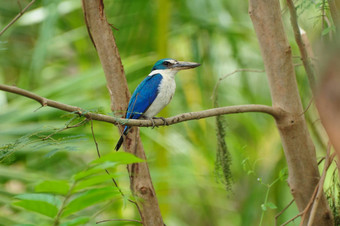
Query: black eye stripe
[167,63]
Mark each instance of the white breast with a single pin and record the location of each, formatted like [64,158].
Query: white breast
[166,89]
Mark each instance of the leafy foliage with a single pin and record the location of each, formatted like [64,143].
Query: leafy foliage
[333,196]
[41,203]
[59,199]
[223,156]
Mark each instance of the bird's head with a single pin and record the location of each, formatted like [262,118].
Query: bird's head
[173,65]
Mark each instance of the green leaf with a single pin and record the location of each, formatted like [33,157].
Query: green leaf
[271,205]
[119,158]
[53,186]
[94,170]
[250,172]
[51,199]
[283,175]
[40,203]
[268,205]
[98,179]
[89,198]
[23,225]
[86,173]
[327,30]
[41,207]
[107,161]
[77,221]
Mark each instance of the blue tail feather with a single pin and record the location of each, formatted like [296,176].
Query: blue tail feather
[121,139]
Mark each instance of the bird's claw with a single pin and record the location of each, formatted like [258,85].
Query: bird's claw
[163,119]
[153,123]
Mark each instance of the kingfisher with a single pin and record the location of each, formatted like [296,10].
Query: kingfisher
[154,92]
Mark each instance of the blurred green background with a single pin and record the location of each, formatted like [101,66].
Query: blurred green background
[48,51]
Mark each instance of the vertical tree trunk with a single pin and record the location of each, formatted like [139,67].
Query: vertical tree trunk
[103,39]
[327,96]
[297,144]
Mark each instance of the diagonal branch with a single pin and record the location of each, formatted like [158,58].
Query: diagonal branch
[275,112]
[296,140]
[334,13]
[17,17]
[304,55]
[231,73]
[328,161]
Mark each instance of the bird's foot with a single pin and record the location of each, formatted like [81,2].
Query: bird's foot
[153,123]
[163,119]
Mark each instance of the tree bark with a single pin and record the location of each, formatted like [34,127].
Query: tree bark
[297,144]
[102,37]
[328,96]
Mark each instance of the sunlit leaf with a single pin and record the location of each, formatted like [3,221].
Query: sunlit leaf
[24,225]
[77,221]
[86,173]
[327,30]
[271,205]
[40,203]
[98,179]
[89,198]
[118,157]
[53,186]
[283,174]
[94,170]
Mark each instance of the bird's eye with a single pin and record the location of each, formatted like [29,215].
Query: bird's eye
[166,63]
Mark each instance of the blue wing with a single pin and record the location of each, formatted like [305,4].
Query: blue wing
[145,93]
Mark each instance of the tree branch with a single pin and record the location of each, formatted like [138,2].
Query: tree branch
[319,194]
[17,17]
[296,140]
[283,210]
[103,39]
[304,55]
[144,123]
[334,13]
[231,73]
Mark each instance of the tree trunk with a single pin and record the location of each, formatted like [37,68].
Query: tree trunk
[103,39]
[327,96]
[297,144]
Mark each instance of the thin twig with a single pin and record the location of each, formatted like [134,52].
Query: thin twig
[292,219]
[65,128]
[108,173]
[334,13]
[320,161]
[303,213]
[318,197]
[62,207]
[283,210]
[308,106]
[19,4]
[231,73]
[94,139]
[323,16]
[17,16]
[304,56]
[329,24]
[98,153]
[275,112]
[111,25]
